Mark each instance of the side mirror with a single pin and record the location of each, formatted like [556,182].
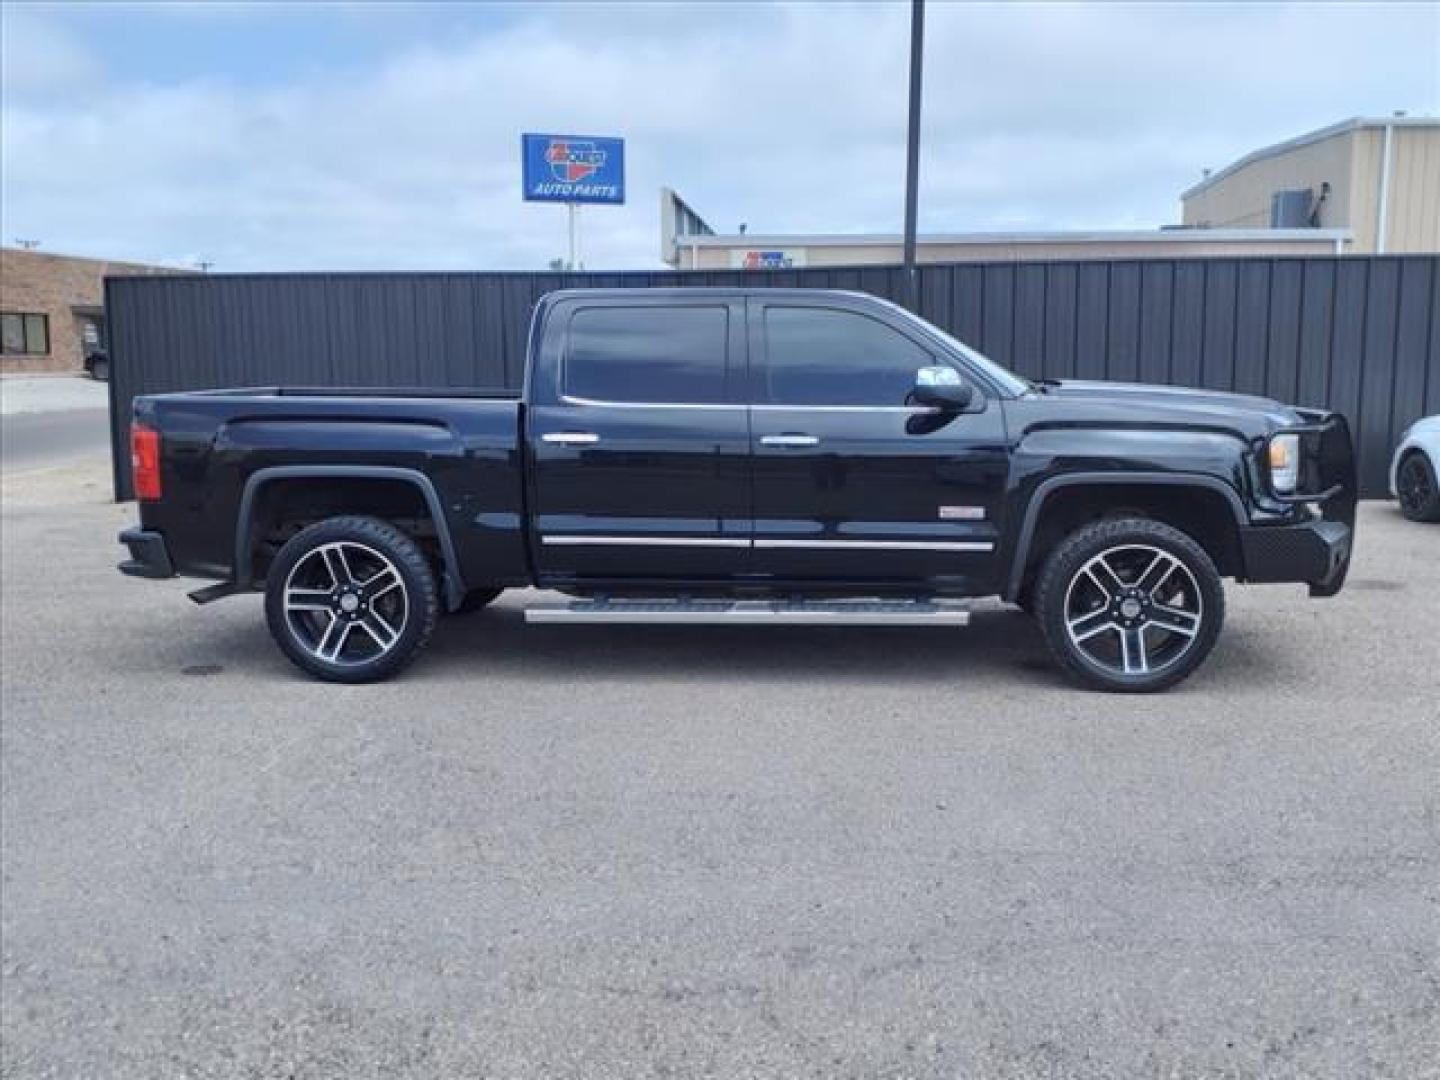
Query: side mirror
[942,387]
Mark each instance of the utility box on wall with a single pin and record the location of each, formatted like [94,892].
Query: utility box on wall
[1291,209]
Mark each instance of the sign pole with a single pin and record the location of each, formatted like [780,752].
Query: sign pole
[912,154]
[571,169]
[572,265]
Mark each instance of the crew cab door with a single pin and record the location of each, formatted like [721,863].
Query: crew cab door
[639,441]
[851,484]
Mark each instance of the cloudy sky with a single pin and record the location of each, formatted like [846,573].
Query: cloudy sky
[375,136]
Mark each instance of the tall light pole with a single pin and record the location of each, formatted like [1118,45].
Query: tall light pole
[912,152]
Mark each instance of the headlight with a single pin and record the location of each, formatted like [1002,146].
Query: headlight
[1284,460]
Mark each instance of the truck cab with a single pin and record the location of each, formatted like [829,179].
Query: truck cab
[772,441]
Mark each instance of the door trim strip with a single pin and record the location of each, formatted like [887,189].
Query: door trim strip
[571,399]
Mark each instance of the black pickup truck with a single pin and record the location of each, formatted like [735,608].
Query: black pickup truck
[744,456]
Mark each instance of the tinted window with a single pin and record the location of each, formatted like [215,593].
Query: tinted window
[655,354]
[816,356]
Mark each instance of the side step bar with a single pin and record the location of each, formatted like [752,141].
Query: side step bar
[754,612]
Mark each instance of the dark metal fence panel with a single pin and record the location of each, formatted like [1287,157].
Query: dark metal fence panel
[1357,334]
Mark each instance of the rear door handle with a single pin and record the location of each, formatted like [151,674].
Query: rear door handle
[570,438]
[789,440]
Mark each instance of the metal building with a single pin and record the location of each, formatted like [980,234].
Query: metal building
[1356,187]
[1378,180]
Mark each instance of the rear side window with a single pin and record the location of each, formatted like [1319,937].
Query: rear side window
[648,354]
[820,356]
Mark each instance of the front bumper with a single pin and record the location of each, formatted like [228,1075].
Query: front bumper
[1316,552]
[149,557]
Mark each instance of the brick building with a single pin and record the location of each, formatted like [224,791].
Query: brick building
[52,308]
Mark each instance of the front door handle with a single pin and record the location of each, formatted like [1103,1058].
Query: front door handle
[570,438]
[789,440]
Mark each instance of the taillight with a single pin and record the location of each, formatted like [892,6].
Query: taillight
[145,462]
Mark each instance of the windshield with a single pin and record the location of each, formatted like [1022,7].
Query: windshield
[1002,377]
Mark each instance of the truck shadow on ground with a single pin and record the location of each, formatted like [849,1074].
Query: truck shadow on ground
[1001,647]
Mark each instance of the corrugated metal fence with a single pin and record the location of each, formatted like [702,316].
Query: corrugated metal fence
[1357,334]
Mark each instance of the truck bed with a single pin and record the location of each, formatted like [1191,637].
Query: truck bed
[226,453]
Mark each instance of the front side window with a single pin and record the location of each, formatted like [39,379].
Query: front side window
[658,355]
[821,356]
[22,334]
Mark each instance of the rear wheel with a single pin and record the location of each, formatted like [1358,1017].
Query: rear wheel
[351,599]
[1129,605]
[1415,484]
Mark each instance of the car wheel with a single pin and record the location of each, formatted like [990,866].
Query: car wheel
[1415,484]
[351,599]
[1130,605]
[476,599]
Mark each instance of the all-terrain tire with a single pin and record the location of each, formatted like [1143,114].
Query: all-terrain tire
[1072,601]
[359,617]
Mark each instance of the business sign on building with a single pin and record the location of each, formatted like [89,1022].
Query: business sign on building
[766,258]
[573,168]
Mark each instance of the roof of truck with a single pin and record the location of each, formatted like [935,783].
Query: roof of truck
[702,290]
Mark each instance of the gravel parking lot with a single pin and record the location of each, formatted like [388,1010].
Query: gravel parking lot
[624,852]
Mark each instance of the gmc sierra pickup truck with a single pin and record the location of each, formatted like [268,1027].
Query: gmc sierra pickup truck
[744,456]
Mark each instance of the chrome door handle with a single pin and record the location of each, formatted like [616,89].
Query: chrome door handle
[570,438]
[789,440]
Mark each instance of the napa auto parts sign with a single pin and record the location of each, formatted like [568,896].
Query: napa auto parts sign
[573,168]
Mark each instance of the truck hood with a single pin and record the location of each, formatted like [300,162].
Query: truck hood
[1150,402]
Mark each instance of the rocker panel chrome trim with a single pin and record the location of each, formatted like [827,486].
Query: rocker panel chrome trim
[881,545]
[645,541]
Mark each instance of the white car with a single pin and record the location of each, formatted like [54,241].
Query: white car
[1413,470]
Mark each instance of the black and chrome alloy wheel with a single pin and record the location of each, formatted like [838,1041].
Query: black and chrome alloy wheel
[1129,604]
[1133,610]
[345,603]
[351,599]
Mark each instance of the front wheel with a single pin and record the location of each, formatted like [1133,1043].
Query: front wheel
[1130,605]
[351,599]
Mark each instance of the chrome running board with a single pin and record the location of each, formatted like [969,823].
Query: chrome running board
[755,612]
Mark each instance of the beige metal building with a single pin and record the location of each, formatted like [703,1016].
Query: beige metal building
[1331,192]
[1377,178]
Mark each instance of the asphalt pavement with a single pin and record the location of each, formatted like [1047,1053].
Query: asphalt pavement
[628,852]
[48,419]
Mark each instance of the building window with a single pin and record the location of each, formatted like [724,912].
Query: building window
[24,335]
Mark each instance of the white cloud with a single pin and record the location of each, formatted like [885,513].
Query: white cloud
[38,57]
[791,119]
